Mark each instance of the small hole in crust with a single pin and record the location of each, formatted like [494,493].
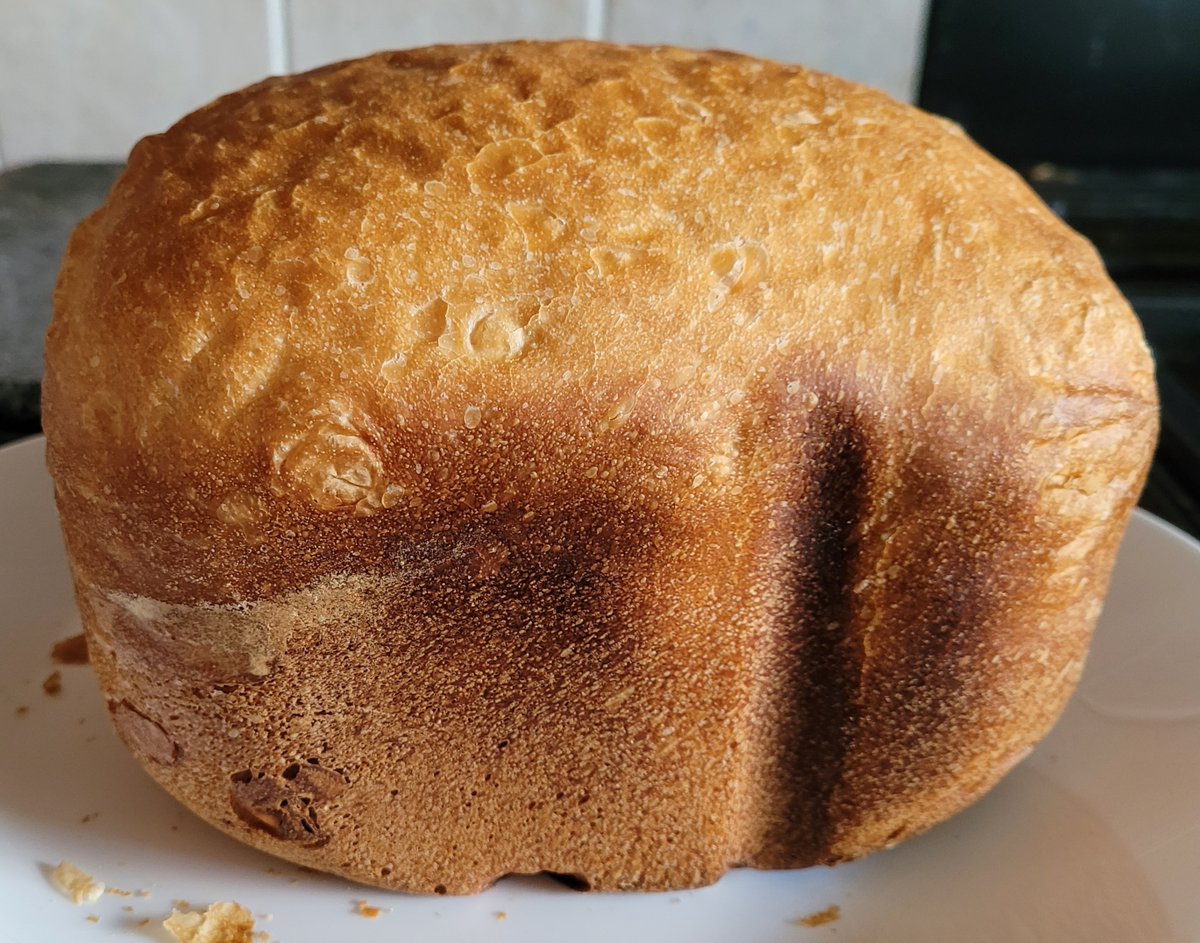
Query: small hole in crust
[242,776]
[292,771]
[577,882]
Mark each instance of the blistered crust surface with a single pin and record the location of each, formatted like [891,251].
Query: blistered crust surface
[744,451]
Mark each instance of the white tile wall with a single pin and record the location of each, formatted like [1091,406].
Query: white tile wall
[323,31]
[877,42]
[84,79]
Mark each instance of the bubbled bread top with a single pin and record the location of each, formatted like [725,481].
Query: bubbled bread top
[308,293]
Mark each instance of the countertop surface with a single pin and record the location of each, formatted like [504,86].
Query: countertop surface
[39,206]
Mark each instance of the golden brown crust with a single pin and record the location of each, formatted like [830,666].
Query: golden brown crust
[617,462]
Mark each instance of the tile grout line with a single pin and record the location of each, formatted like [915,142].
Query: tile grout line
[279,35]
[597,15]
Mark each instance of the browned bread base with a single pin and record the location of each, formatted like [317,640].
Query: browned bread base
[623,463]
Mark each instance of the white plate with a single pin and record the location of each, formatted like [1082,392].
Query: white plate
[1095,838]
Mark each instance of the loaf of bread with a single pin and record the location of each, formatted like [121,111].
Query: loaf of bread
[623,463]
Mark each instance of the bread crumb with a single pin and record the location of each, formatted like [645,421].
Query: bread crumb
[53,683]
[820,918]
[71,651]
[75,884]
[145,921]
[118,892]
[501,915]
[223,922]
[127,909]
[363,909]
[23,710]
[141,892]
[84,821]
[93,918]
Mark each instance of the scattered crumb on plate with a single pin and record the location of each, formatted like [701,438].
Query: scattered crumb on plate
[820,918]
[363,909]
[71,651]
[23,710]
[223,922]
[79,887]
[93,918]
[127,909]
[500,915]
[53,683]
